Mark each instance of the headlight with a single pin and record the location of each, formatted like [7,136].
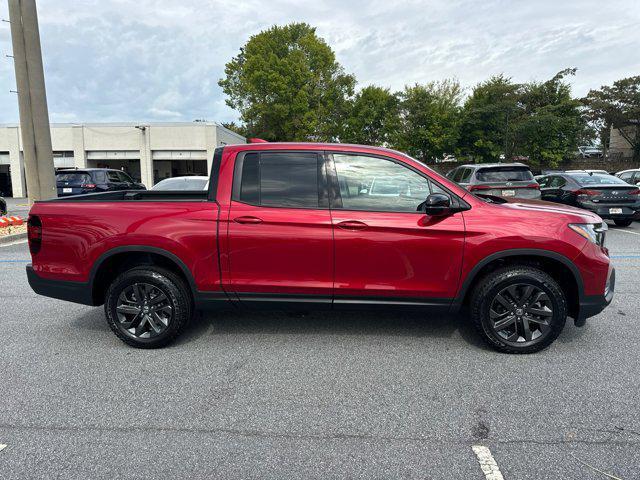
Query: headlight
[594,232]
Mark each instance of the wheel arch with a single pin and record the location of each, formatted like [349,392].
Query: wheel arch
[119,259]
[557,265]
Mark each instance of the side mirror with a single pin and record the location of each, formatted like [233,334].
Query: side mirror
[437,205]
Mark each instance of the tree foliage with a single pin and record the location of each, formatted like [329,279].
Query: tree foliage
[372,117]
[617,106]
[485,118]
[287,85]
[429,119]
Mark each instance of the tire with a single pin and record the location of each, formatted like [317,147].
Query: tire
[530,325]
[160,298]
[623,222]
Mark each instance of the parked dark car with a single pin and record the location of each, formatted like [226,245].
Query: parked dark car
[3,206]
[93,180]
[606,195]
[501,179]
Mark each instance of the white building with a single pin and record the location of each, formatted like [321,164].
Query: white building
[149,152]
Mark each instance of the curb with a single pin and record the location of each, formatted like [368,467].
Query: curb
[13,238]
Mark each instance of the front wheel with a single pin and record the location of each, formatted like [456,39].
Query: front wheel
[147,307]
[518,309]
[623,222]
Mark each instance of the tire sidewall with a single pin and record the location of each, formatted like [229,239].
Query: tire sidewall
[164,283]
[537,279]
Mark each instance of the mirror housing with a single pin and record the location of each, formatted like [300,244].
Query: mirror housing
[437,205]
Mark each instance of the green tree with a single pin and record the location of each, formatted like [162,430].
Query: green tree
[372,118]
[287,85]
[550,123]
[429,119]
[617,106]
[484,133]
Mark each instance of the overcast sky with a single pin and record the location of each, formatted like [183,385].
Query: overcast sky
[160,60]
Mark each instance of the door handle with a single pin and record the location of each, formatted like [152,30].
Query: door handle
[352,225]
[248,220]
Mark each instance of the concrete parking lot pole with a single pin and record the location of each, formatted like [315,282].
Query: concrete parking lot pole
[32,100]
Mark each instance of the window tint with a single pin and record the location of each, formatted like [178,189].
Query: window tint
[375,184]
[466,175]
[504,174]
[75,178]
[627,176]
[585,179]
[457,176]
[124,177]
[280,180]
[100,177]
[113,176]
[543,182]
[557,182]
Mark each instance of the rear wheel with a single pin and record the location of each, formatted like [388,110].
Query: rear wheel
[147,307]
[623,222]
[518,309]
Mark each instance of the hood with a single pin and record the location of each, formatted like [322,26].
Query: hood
[548,207]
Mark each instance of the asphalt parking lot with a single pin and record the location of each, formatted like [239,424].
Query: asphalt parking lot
[323,395]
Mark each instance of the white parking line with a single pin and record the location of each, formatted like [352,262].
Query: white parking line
[2,446]
[487,463]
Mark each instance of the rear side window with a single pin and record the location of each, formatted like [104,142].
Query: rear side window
[504,174]
[280,180]
[100,177]
[75,178]
[466,175]
[113,177]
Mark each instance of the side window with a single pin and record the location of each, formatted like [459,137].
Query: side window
[376,184]
[279,180]
[543,182]
[100,177]
[627,176]
[457,176]
[125,177]
[113,176]
[451,174]
[636,178]
[557,182]
[466,175]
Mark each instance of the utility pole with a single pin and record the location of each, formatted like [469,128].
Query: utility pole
[32,100]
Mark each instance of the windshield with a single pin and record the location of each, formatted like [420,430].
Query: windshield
[504,174]
[182,183]
[75,177]
[584,179]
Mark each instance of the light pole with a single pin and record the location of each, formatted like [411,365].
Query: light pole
[32,100]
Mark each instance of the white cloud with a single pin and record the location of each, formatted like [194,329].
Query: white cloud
[161,59]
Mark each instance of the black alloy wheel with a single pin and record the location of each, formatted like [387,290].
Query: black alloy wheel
[518,309]
[521,313]
[144,310]
[148,306]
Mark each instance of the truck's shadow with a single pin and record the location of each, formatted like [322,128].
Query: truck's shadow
[330,323]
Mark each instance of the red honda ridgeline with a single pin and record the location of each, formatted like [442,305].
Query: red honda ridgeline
[297,225]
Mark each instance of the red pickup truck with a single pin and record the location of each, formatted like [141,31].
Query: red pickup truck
[300,225]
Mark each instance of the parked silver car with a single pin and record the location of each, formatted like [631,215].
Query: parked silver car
[500,179]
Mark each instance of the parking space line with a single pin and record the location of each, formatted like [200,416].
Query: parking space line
[487,463]
[2,446]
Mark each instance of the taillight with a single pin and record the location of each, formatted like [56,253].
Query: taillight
[34,233]
[88,185]
[473,188]
[634,192]
[584,191]
[533,185]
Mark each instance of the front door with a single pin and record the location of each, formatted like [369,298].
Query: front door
[280,241]
[385,249]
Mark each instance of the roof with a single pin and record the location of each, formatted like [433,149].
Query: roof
[313,146]
[492,165]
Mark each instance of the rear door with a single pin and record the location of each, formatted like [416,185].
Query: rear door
[280,243]
[385,249]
